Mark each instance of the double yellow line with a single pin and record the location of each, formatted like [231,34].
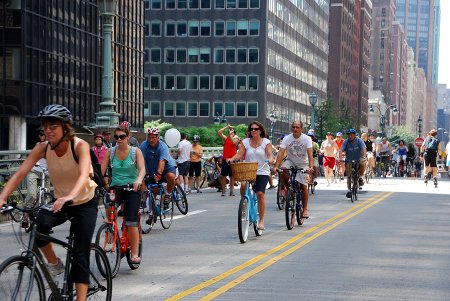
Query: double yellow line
[327,226]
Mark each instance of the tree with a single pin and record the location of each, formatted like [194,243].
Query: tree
[402,132]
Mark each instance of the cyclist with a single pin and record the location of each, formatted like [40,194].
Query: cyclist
[315,155]
[107,138]
[410,154]
[298,148]
[72,185]
[370,147]
[183,156]
[430,153]
[132,141]
[195,167]
[355,150]
[99,148]
[230,143]
[158,161]
[128,170]
[402,151]
[340,157]
[257,148]
[384,149]
[329,149]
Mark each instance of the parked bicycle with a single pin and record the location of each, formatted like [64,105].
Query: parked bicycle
[294,207]
[210,171]
[22,276]
[16,197]
[116,244]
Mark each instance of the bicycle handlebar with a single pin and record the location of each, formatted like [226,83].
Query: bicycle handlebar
[13,206]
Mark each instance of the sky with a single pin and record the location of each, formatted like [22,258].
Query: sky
[444,46]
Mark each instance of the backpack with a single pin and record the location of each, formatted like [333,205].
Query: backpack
[113,152]
[96,167]
[432,144]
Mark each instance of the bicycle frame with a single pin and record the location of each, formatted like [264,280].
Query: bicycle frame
[253,215]
[112,221]
[294,194]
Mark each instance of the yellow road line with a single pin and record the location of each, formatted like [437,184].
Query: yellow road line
[260,257]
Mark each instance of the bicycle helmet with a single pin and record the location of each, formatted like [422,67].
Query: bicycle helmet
[338,134]
[153,131]
[351,131]
[54,111]
[311,133]
[126,124]
[196,138]
[99,135]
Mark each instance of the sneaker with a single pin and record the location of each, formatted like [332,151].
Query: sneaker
[426,180]
[361,182]
[349,194]
[435,181]
[55,269]
[199,191]
[223,193]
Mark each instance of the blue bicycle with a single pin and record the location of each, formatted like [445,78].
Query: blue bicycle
[294,207]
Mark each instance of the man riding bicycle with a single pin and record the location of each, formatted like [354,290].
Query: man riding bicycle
[355,150]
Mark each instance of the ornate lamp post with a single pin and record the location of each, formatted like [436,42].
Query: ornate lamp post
[392,107]
[107,116]
[313,102]
[419,125]
[273,118]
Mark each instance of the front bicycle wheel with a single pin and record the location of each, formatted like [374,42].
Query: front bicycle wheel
[243,219]
[105,239]
[147,212]
[299,209]
[131,264]
[289,209]
[180,199]
[166,216]
[100,278]
[20,281]
[281,195]
[17,198]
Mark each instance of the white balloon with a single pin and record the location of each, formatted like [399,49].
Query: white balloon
[172,137]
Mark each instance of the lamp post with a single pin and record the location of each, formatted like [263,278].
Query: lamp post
[313,102]
[273,118]
[392,107]
[107,116]
[220,119]
[419,125]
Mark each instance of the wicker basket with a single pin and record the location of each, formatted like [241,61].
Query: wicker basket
[244,171]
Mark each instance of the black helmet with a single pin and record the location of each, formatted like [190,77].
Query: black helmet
[55,112]
[196,138]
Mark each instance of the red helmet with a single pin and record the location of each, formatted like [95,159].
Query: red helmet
[153,131]
[126,124]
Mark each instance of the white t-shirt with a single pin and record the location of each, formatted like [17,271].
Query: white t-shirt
[296,148]
[257,155]
[185,148]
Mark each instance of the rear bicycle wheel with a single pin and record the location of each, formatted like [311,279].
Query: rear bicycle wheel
[281,196]
[105,239]
[131,264]
[166,216]
[100,278]
[299,210]
[180,199]
[243,219]
[146,209]
[203,177]
[289,209]
[19,281]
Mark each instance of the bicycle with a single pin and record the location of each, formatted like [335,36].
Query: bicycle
[384,165]
[109,238]
[16,197]
[281,193]
[369,172]
[337,171]
[152,205]
[22,276]
[294,206]
[209,172]
[248,205]
[354,177]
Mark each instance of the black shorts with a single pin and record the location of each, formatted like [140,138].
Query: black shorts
[132,201]
[430,160]
[261,183]
[195,168]
[183,168]
[226,169]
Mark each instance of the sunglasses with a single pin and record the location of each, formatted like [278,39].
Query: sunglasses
[255,129]
[296,127]
[50,127]
[121,137]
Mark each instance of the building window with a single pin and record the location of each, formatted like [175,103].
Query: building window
[253,82]
[193,4]
[253,55]
[181,82]
[229,82]
[155,4]
[192,82]
[231,28]
[193,28]
[205,28]
[182,28]
[146,109]
[219,55]
[220,4]
[155,82]
[169,55]
[254,3]
[241,82]
[147,29]
[169,108]
[155,55]
[241,109]
[242,3]
[146,55]
[152,108]
[146,82]
[180,109]
[192,109]
[205,4]
[170,28]
[242,27]
[204,82]
[182,4]
[229,109]
[147,4]
[252,109]
[218,82]
[193,55]
[181,55]
[231,4]
[205,54]
[219,28]
[155,28]
[242,55]
[254,28]
[230,55]
[204,109]
[169,82]
[218,108]
[170,4]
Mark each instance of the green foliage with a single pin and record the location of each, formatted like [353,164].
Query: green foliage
[401,132]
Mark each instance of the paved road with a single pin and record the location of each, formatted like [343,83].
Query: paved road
[393,244]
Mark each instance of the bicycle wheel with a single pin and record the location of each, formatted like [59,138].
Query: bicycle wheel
[243,219]
[19,281]
[281,196]
[105,238]
[289,209]
[147,220]
[180,199]
[131,264]
[166,216]
[299,210]
[203,177]
[17,198]
[100,278]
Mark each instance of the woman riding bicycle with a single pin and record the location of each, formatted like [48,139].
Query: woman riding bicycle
[402,150]
[72,185]
[256,148]
[128,170]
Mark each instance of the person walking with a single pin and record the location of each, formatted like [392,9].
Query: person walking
[195,165]
[329,149]
[183,156]
[229,150]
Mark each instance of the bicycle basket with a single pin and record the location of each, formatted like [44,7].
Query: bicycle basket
[244,171]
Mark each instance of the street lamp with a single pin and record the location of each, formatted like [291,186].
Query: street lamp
[220,119]
[313,102]
[419,125]
[392,107]
[107,116]
[273,118]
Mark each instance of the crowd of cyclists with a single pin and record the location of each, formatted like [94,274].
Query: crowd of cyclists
[126,163]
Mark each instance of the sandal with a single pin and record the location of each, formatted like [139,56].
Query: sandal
[136,260]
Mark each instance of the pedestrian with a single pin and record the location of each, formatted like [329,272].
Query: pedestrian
[99,148]
[183,156]
[195,165]
[329,149]
[107,138]
[230,143]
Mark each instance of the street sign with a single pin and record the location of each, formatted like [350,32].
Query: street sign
[418,142]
